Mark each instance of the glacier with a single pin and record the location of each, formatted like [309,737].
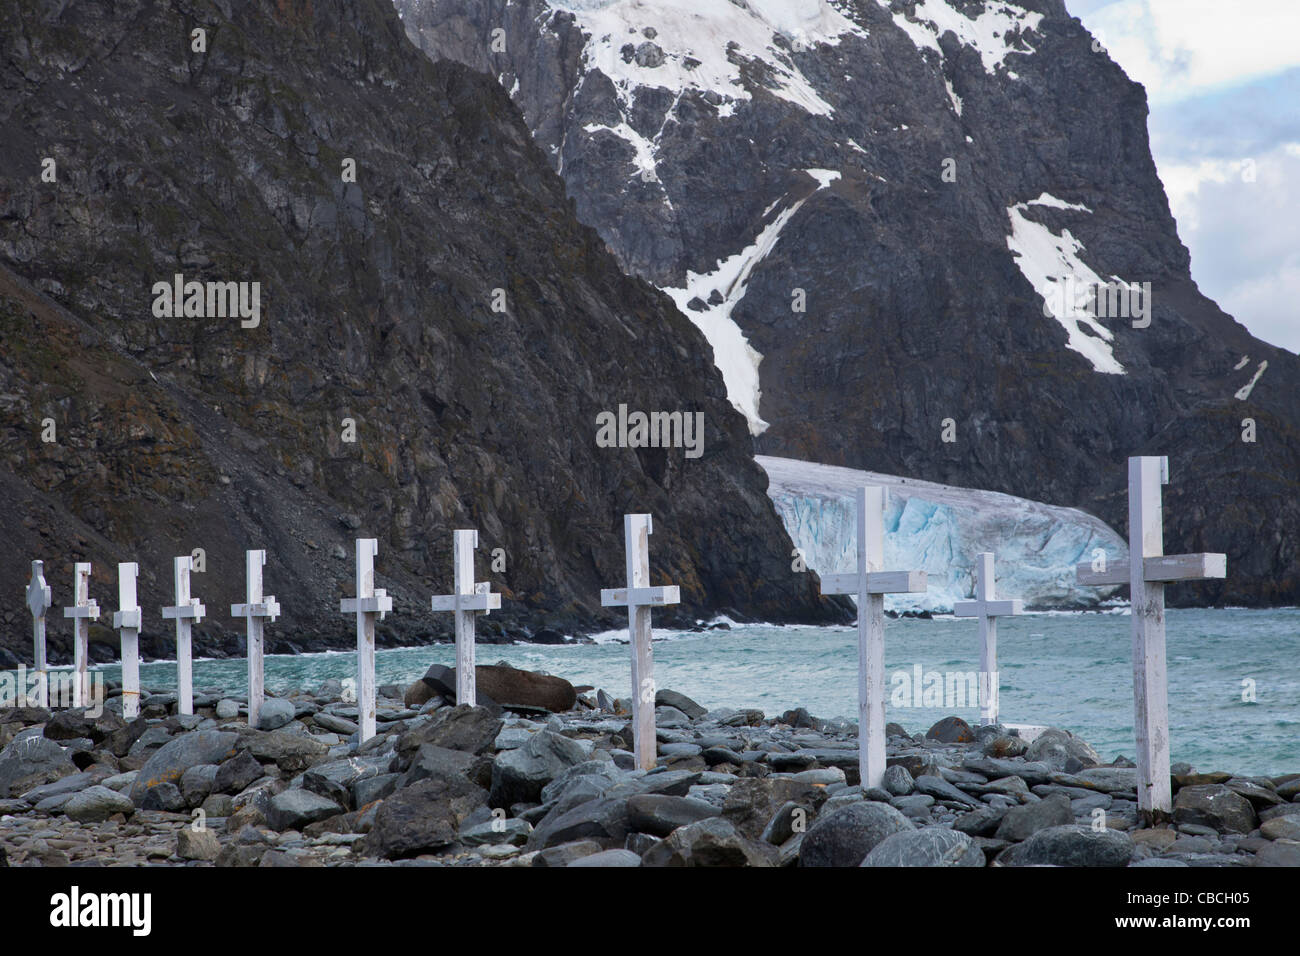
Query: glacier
[940,529]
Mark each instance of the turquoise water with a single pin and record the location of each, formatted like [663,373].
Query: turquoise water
[1069,670]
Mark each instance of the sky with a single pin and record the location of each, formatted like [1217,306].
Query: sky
[1223,82]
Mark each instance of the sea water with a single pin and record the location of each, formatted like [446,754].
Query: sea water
[1234,675]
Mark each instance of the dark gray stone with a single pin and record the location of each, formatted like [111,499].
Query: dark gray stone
[660,814]
[1022,822]
[845,837]
[931,846]
[178,755]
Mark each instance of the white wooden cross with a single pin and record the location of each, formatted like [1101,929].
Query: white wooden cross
[639,597]
[186,611]
[870,585]
[1146,572]
[126,619]
[256,609]
[82,611]
[39,600]
[987,610]
[369,603]
[468,600]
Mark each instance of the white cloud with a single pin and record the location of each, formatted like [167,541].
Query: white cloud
[1240,230]
[1183,48]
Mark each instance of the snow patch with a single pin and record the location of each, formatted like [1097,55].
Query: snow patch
[940,529]
[1243,393]
[1050,263]
[986,34]
[824,177]
[700,44]
[735,357]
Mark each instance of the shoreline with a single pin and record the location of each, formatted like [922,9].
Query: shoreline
[446,785]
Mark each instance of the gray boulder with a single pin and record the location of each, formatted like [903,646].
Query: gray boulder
[519,775]
[1062,750]
[294,809]
[30,761]
[660,815]
[1214,806]
[179,754]
[472,730]
[196,783]
[96,804]
[275,713]
[845,837]
[670,698]
[897,781]
[931,846]
[424,816]
[1022,822]
[237,773]
[1073,845]
[166,797]
[711,842]
[604,820]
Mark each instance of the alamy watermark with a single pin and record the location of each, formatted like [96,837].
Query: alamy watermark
[208,300]
[654,430]
[1116,299]
[52,689]
[948,689]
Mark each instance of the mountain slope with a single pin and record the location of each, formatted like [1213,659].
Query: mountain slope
[376,316]
[871,208]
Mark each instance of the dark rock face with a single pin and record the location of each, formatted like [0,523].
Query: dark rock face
[376,301]
[915,309]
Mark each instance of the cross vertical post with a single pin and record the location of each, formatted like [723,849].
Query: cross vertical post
[870,585]
[39,598]
[256,610]
[186,611]
[987,611]
[82,611]
[639,597]
[467,600]
[1146,572]
[367,605]
[126,619]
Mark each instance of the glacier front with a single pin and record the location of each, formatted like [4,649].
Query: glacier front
[939,529]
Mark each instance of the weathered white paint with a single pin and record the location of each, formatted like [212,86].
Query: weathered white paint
[870,585]
[1146,572]
[82,611]
[367,605]
[187,611]
[256,610]
[638,597]
[987,610]
[39,598]
[467,600]
[126,620]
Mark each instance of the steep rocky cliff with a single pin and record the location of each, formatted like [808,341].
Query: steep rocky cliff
[445,310]
[873,208]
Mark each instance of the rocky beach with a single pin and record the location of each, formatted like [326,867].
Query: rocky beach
[547,778]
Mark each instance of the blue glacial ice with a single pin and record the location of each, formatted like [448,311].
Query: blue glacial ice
[940,529]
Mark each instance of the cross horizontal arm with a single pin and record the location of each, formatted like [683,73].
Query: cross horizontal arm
[623,597]
[194,609]
[269,607]
[379,604]
[878,582]
[90,610]
[988,608]
[1170,567]
[467,602]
